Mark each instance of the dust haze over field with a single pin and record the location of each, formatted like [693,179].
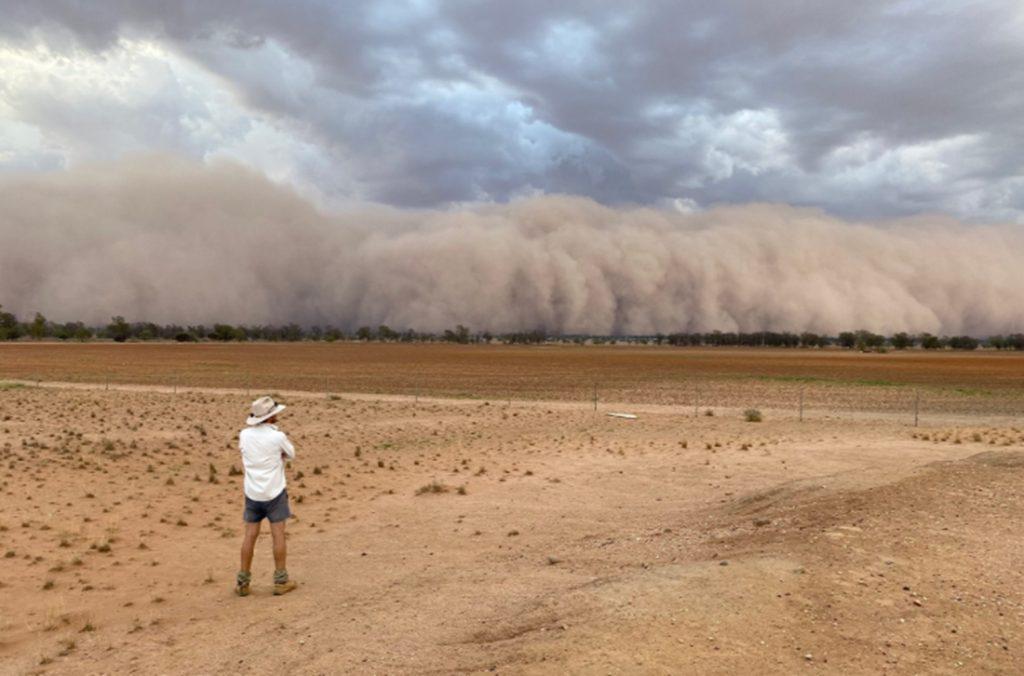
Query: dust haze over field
[164,239]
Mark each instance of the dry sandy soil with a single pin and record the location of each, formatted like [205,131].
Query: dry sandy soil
[578,542]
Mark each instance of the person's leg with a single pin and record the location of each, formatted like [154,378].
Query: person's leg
[280,548]
[282,584]
[252,532]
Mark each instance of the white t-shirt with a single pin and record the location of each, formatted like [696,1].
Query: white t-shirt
[262,446]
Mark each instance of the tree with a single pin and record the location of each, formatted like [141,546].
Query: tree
[37,329]
[292,333]
[847,339]
[364,333]
[930,342]
[10,329]
[866,340]
[70,330]
[223,332]
[385,332]
[118,329]
[808,339]
[964,343]
[901,341]
[459,335]
[146,331]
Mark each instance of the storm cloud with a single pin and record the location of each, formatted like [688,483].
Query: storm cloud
[872,109]
[168,240]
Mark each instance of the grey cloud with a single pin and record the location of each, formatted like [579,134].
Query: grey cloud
[622,102]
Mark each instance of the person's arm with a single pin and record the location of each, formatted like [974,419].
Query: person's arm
[287,450]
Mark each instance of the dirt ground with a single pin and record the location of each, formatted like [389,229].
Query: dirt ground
[622,373]
[557,539]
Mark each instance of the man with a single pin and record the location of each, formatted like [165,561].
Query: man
[264,451]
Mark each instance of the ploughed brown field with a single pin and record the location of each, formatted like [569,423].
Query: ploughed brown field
[453,529]
[620,373]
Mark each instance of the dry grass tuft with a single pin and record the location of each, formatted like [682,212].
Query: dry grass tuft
[433,487]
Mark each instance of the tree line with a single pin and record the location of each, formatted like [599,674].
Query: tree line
[120,330]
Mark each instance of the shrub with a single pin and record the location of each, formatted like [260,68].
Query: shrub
[432,487]
[752,415]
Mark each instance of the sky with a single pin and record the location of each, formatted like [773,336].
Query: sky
[865,110]
[581,167]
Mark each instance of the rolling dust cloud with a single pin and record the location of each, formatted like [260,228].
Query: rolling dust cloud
[167,240]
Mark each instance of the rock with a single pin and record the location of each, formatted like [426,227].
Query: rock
[762,522]
[808,657]
[723,563]
[552,560]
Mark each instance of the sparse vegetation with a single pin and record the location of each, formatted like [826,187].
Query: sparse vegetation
[434,487]
[121,330]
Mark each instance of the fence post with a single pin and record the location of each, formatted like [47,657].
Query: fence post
[696,399]
[917,405]
[595,397]
[801,404]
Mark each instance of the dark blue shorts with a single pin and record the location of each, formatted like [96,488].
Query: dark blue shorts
[273,510]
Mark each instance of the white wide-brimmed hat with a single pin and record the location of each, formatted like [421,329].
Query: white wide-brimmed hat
[263,408]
